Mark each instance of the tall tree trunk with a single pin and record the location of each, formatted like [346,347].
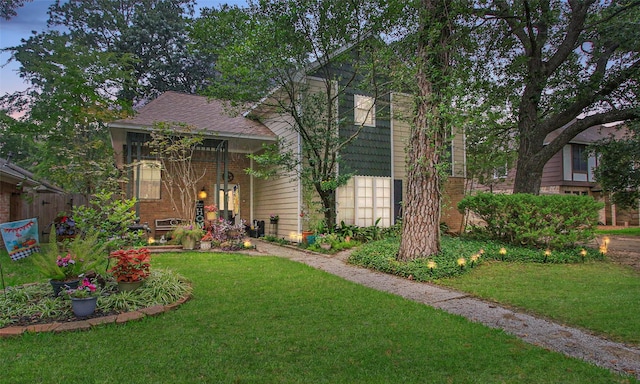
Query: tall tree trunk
[421,218]
[531,159]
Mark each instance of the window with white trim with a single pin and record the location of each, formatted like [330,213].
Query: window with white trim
[579,160]
[364,200]
[364,110]
[147,185]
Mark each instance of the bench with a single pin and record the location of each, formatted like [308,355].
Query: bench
[168,224]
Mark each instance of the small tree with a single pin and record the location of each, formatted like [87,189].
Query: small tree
[180,177]
[618,170]
[267,51]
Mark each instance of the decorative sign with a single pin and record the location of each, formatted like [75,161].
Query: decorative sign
[200,213]
[20,238]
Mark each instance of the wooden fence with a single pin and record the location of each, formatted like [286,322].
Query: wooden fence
[46,207]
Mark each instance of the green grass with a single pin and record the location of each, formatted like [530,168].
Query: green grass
[594,294]
[599,296]
[271,320]
[631,231]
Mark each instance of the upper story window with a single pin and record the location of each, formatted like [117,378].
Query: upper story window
[147,180]
[364,110]
[579,158]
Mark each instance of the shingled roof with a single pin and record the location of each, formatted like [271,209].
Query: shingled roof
[198,112]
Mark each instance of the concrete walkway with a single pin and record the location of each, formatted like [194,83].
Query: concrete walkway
[570,341]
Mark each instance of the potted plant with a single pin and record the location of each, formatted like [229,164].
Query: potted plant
[83,298]
[210,211]
[63,264]
[326,240]
[205,241]
[65,227]
[132,267]
[188,235]
[273,218]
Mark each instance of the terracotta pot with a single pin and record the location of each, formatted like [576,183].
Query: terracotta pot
[305,235]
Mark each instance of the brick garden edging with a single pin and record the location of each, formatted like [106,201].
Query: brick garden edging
[94,322]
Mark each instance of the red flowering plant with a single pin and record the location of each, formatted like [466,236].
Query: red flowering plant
[85,289]
[131,264]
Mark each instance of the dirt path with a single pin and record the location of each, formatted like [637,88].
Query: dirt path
[570,341]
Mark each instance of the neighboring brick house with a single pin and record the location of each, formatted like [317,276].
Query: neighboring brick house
[15,183]
[570,171]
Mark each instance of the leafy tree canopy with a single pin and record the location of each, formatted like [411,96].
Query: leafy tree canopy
[8,8]
[265,51]
[546,64]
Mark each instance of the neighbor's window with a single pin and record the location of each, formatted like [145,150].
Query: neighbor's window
[147,185]
[365,110]
[579,158]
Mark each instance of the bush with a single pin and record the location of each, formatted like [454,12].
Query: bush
[381,256]
[523,219]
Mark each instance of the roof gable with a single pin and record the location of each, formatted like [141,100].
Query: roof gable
[203,114]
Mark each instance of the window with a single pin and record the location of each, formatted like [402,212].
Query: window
[364,110]
[147,185]
[364,200]
[500,172]
[579,162]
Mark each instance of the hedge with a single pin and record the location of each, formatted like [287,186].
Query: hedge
[524,219]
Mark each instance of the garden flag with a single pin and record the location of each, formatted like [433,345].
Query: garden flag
[20,238]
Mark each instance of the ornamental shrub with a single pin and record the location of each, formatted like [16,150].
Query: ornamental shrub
[524,219]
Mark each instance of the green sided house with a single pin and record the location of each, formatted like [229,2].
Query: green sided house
[376,159]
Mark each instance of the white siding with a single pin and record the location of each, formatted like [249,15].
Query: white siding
[279,195]
[566,163]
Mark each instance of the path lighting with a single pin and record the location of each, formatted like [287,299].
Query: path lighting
[583,253]
[547,253]
[462,262]
[502,252]
[247,244]
[151,240]
[605,241]
[603,249]
[431,265]
[474,259]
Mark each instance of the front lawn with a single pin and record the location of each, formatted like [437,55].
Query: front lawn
[593,294]
[271,320]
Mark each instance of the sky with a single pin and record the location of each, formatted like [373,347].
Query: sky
[33,16]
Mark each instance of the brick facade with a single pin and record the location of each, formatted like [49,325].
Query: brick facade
[453,193]
[151,210]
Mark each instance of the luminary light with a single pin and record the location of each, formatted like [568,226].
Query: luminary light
[583,253]
[431,264]
[503,251]
[247,244]
[462,261]
[151,240]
